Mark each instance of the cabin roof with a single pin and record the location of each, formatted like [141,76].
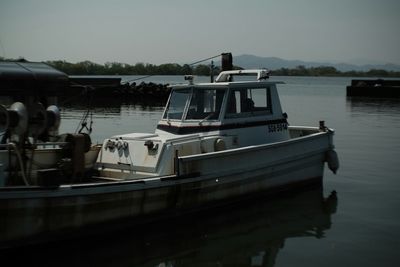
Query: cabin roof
[18,78]
[255,84]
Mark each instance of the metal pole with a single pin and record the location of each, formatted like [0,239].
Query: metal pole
[212,71]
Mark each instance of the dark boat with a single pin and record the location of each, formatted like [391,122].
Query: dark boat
[377,88]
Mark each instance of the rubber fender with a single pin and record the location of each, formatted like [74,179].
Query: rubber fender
[333,160]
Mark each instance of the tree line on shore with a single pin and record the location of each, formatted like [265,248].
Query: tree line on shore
[333,72]
[116,68]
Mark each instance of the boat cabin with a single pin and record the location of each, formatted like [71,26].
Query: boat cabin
[199,119]
[250,110]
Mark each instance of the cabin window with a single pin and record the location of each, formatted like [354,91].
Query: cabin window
[245,102]
[177,103]
[205,104]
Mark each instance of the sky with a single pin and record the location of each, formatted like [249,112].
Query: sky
[183,31]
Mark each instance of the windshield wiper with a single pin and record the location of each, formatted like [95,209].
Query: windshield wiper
[206,118]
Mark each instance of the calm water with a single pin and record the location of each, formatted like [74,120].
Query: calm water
[359,228]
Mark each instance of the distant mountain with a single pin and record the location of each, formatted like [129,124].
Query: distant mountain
[273,63]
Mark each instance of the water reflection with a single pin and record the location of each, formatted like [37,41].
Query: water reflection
[248,234]
[110,117]
[108,106]
[109,102]
[372,105]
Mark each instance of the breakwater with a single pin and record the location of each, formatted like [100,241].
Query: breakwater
[114,88]
[374,88]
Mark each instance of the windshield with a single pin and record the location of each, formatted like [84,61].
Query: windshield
[177,103]
[205,104]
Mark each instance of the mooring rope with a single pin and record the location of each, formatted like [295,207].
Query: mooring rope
[191,64]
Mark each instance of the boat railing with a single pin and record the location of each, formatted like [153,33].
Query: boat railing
[43,145]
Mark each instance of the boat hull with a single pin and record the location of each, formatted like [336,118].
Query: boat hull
[30,214]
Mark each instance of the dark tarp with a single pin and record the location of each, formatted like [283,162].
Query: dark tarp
[31,78]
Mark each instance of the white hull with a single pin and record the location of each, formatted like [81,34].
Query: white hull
[206,179]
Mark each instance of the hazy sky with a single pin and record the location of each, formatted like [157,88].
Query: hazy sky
[161,31]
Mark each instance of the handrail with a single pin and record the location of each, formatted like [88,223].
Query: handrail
[40,144]
[225,76]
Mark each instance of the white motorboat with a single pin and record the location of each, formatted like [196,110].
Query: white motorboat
[215,142]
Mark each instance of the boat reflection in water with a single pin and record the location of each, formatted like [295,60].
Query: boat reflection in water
[363,105]
[249,233]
